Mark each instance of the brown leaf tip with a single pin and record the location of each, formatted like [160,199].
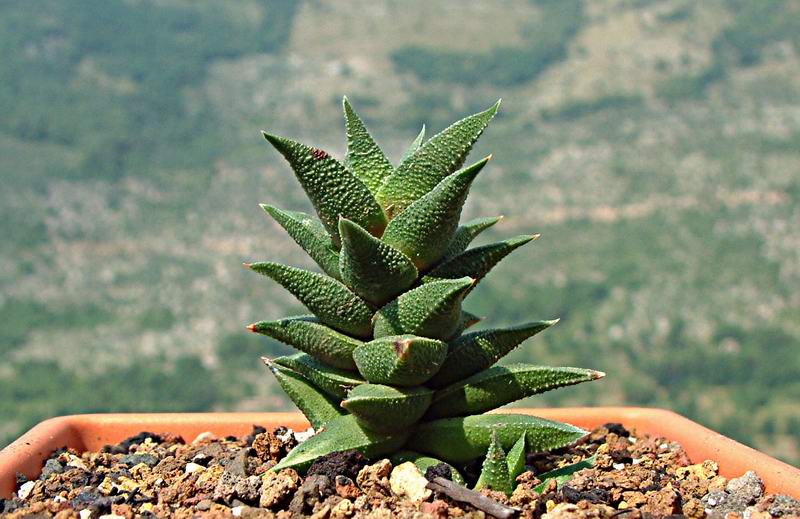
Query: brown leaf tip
[252,328]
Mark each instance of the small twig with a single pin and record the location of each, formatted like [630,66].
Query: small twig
[476,499]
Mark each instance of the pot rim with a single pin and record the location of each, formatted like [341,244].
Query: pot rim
[92,431]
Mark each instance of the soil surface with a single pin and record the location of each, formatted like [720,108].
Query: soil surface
[633,476]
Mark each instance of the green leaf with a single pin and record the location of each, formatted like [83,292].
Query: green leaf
[443,154]
[310,235]
[459,440]
[494,472]
[327,298]
[403,360]
[374,270]
[307,334]
[477,351]
[564,474]
[415,144]
[431,310]
[466,233]
[364,156]
[385,408]
[334,191]
[316,406]
[516,459]
[477,262]
[333,381]
[501,385]
[342,434]
[424,230]
[423,463]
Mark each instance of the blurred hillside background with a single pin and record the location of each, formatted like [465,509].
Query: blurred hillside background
[654,144]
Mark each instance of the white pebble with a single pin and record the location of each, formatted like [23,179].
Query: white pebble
[303,436]
[618,466]
[204,436]
[25,490]
[285,436]
[193,467]
[85,513]
[236,511]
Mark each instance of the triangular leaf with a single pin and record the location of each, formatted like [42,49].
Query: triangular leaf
[501,385]
[330,300]
[563,474]
[403,360]
[316,406]
[415,144]
[467,232]
[424,230]
[342,434]
[364,156]
[516,458]
[431,310]
[374,404]
[307,334]
[334,191]
[477,262]
[333,381]
[443,154]
[477,351]
[310,235]
[374,270]
[459,440]
[494,472]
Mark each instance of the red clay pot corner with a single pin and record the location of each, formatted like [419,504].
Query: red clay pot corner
[90,432]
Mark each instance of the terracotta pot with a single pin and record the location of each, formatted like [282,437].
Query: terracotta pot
[90,432]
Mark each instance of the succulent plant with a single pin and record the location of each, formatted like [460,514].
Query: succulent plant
[385,366]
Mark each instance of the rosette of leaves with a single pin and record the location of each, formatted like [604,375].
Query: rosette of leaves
[385,364]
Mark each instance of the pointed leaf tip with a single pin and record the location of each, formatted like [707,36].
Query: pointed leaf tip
[599,374]
[251,327]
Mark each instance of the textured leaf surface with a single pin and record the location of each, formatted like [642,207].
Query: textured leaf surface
[364,157]
[477,351]
[333,381]
[459,440]
[342,434]
[334,191]
[383,407]
[316,406]
[494,471]
[415,144]
[516,458]
[443,154]
[431,310]
[424,230]
[501,385]
[307,334]
[403,360]
[327,298]
[477,262]
[564,474]
[468,232]
[424,462]
[310,235]
[373,269]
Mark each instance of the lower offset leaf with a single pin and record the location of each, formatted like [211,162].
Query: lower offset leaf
[330,300]
[387,408]
[494,472]
[342,434]
[424,462]
[477,351]
[516,458]
[431,310]
[501,385]
[310,235]
[307,334]
[333,381]
[563,474]
[403,360]
[317,407]
[459,440]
